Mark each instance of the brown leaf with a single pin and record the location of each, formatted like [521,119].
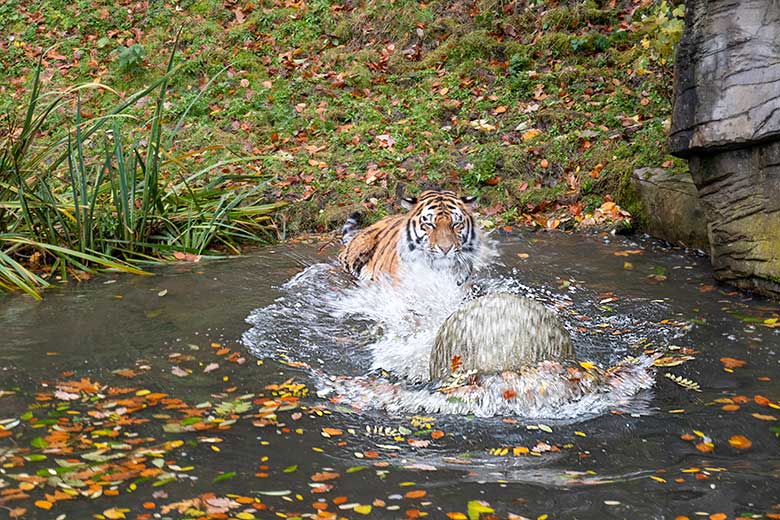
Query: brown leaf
[732,363]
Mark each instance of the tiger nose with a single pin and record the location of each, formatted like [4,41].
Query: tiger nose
[445,249]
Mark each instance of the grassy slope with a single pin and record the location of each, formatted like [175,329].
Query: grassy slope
[347,101]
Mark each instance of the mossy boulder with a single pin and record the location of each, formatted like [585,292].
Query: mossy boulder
[499,332]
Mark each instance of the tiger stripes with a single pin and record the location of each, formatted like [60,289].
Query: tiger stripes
[438,229]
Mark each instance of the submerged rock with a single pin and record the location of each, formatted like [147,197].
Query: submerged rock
[499,332]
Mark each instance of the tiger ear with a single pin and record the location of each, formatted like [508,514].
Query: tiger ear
[408,202]
[470,202]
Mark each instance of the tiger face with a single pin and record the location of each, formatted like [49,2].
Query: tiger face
[440,230]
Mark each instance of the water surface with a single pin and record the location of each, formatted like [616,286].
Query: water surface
[618,296]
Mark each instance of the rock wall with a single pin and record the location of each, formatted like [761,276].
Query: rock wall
[726,121]
[740,191]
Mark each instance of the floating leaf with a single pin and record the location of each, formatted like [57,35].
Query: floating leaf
[115,513]
[740,442]
[324,475]
[732,363]
[476,507]
[39,442]
[684,382]
[224,476]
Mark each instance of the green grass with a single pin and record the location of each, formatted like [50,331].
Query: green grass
[98,193]
[276,101]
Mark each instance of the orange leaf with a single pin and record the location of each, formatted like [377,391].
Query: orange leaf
[332,431]
[740,442]
[718,516]
[704,447]
[455,363]
[761,400]
[687,437]
[324,475]
[416,493]
[762,417]
[43,504]
[437,434]
[509,394]
[732,363]
[730,407]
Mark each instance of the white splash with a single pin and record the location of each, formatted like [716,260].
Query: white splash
[409,313]
[372,342]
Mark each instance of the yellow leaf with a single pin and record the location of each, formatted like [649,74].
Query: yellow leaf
[587,365]
[530,134]
[658,479]
[115,513]
[363,509]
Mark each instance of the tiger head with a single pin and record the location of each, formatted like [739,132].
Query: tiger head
[440,228]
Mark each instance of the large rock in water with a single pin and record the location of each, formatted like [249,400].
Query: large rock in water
[499,332]
[726,121]
[671,205]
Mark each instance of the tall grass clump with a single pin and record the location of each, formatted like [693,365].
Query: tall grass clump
[103,193]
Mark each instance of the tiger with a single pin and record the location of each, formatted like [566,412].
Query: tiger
[438,229]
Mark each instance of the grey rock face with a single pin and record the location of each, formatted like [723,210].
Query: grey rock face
[740,191]
[726,120]
[499,332]
[727,76]
[672,207]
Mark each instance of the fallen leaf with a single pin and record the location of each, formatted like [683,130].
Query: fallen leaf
[322,476]
[732,363]
[740,442]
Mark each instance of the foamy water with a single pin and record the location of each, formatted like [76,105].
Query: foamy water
[367,346]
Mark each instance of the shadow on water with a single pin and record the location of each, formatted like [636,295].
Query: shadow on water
[618,297]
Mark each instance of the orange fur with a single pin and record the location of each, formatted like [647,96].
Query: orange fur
[374,251]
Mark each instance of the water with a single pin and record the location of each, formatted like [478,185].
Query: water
[618,297]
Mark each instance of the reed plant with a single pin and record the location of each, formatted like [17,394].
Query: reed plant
[99,193]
